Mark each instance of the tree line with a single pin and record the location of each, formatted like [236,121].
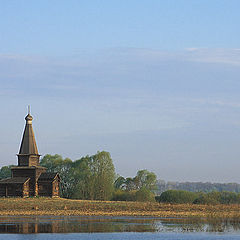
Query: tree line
[94,178]
[163,186]
[181,196]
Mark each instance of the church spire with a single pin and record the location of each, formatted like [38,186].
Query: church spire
[28,153]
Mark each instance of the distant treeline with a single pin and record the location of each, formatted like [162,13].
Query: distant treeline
[183,197]
[94,178]
[163,186]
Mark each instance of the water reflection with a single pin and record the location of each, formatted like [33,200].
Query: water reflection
[80,224]
[199,225]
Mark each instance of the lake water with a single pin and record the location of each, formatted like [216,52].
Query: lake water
[117,228]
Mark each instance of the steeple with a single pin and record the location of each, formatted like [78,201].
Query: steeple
[28,153]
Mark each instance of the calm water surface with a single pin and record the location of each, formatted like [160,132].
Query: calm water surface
[120,236]
[117,228]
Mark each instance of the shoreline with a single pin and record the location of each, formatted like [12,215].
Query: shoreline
[69,207]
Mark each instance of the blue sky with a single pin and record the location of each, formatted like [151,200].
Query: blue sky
[155,83]
[59,27]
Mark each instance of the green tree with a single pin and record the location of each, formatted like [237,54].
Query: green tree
[84,181]
[177,196]
[94,177]
[123,195]
[5,171]
[130,184]
[120,183]
[229,197]
[55,163]
[144,195]
[104,174]
[207,198]
[145,179]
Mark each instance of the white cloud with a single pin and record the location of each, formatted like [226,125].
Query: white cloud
[218,102]
[223,56]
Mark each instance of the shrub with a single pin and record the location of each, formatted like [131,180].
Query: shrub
[211,198]
[229,198]
[177,196]
[121,195]
[144,195]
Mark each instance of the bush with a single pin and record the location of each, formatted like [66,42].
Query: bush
[211,198]
[121,195]
[218,198]
[229,198]
[177,196]
[5,171]
[144,195]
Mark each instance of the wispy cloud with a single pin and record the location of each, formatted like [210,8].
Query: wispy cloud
[224,56]
[218,102]
[121,70]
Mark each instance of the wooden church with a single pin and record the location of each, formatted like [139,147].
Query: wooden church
[29,178]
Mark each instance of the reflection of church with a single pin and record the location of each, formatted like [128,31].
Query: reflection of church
[29,225]
[29,178]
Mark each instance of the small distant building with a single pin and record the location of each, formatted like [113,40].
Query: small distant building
[29,178]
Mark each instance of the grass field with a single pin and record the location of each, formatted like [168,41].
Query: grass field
[60,206]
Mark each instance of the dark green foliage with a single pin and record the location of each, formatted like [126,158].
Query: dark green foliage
[119,183]
[130,184]
[211,198]
[144,178]
[177,196]
[55,163]
[90,177]
[104,174]
[94,177]
[208,198]
[229,198]
[83,185]
[218,198]
[141,195]
[138,188]
[144,195]
[5,172]
[122,195]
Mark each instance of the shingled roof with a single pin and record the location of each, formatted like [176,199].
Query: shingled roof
[14,180]
[47,176]
[28,145]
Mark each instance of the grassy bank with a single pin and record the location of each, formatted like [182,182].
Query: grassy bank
[48,206]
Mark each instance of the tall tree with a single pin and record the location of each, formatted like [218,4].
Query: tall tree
[94,177]
[55,163]
[145,179]
[84,182]
[104,175]
[120,183]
